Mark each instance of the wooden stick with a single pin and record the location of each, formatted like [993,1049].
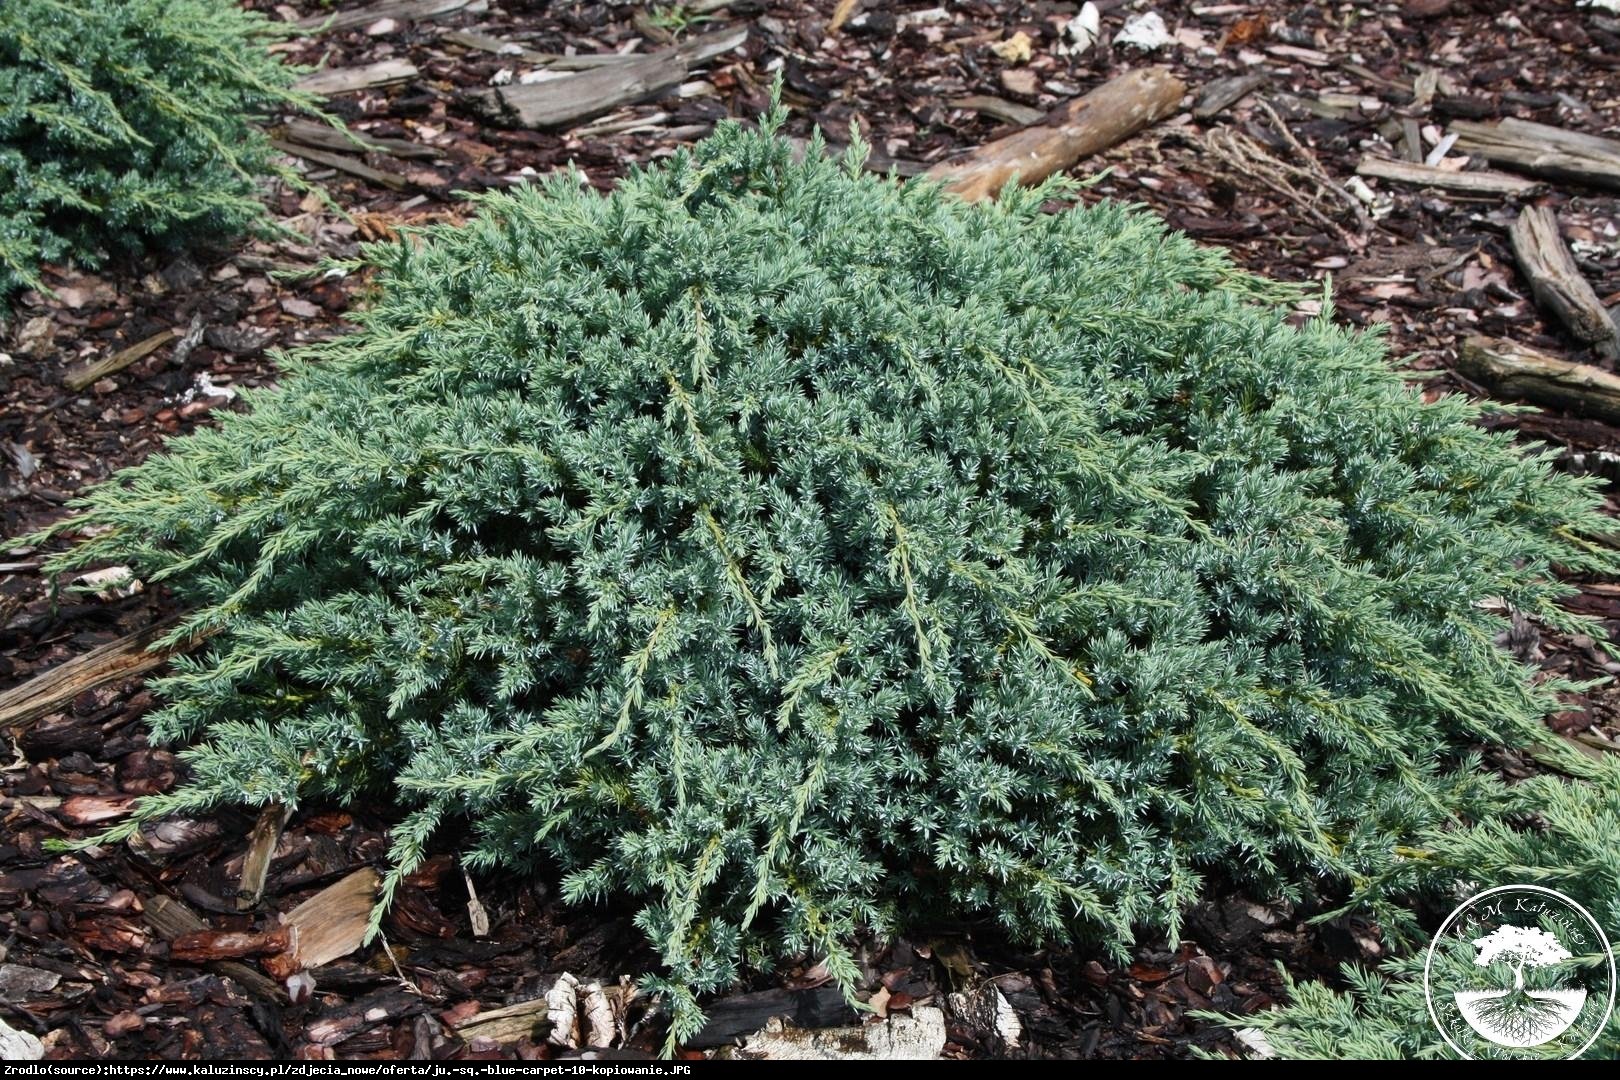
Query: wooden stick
[1557,282]
[326,137]
[52,690]
[468,39]
[999,109]
[398,10]
[1477,183]
[1518,371]
[342,163]
[346,80]
[1074,131]
[118,361]
[1542,150]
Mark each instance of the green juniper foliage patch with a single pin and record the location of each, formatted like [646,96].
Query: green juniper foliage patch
[794,551]
[127,123]
[1559,835]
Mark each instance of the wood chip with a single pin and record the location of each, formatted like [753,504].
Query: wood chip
[169,919]
[920,1036]
[525,1020]
[329,925]
[1222,94]
[999,109]
[203,945]
[261,850]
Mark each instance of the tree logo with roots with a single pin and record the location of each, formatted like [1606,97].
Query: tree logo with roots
[1520,972]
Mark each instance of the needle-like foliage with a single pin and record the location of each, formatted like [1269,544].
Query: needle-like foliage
[1559,835]
[796,550]
[129,123]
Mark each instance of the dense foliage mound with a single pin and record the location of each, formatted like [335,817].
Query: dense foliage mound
[1560,835]
[795,550]
[125,123]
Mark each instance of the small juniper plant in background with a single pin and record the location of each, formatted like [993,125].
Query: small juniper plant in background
[126,124]
[796,551]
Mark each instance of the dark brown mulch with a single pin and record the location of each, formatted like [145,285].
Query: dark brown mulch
[80,966]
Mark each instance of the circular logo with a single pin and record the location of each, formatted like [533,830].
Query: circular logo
[1520,972]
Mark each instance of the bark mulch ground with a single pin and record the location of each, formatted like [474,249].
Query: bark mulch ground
[85,963]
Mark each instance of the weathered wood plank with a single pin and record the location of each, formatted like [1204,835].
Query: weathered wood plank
[1518,371]
[1557,282]
[328,138]
[1484,182]
[398,10]
[54,689]
[334,81]
[574,98]
[1542,150]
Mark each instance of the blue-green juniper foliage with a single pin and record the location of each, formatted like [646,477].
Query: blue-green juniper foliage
[129,123]
[1557,834]
[795,551]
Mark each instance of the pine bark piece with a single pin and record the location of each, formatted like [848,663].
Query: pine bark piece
[1518,371]
[169,919]
[1557,282]
[557,103]
[1221,94]
[329,925]
[385,1006]
[261,850]
[347,80]
[733,1017]
[1543,150]
[398,10]
[199,946]
[1073,132]
[93,809]
[54,689]
[119,360]
[1420,175]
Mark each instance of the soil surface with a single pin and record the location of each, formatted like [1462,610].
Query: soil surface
[82,964]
